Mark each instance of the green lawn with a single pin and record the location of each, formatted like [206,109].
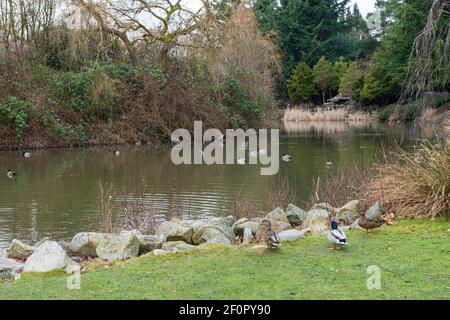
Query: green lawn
[414,257]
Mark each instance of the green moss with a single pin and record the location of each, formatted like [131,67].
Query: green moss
[413,257]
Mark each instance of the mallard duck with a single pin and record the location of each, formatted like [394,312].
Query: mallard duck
[10,174]
[369,224]
[336,236]
[271,238]
[116,153]
[26,154]
[287,157]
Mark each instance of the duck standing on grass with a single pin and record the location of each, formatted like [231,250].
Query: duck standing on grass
[336,236]
[369,224]
[271,238]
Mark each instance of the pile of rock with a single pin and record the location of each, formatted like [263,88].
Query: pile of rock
[171,237]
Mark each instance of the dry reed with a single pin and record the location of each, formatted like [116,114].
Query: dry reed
[414,184]
[340,114]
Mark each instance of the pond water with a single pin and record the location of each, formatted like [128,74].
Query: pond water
[56,192]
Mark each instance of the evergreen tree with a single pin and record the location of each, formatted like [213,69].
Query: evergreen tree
[324,78]
[339,68]
[351,79]
[388,70]
[301,84]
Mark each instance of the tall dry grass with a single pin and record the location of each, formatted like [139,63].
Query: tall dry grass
[413,184]
[341,184]
[341,114]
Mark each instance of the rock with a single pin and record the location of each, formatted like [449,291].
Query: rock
[159,252]
[247,236]
[48,256]
[85,244]
[352,206]
[279,226]
[118,247]
[317,220]
[176,246]
[130,232]
[19,250]
[173,231]
[277,215]
[295,215]
[375,213]
[240,225]
[346,216]
[210,235]
[324,206]
[9,268]
[293,234]
[38,244]
[150,243]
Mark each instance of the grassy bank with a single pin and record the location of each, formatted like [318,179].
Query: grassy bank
[413,257]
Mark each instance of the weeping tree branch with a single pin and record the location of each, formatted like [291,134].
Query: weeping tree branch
[429,65]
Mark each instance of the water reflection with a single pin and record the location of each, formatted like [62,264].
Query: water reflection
[56,191]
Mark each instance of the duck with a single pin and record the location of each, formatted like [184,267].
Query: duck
[287,157]
[10,174]
[369,224]
[336,236]
[26,154]
[271,238]
[329,164]
[241,161]
[116,153]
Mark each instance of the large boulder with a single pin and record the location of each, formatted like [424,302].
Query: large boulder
[9,268]
[210,235]
[19,250]
[295,215]
[374,213]
[317,220]
[177,246]
[324,206]
[150,243]
[118,247]
[174,231]
[348,213]
[240,225]
[248,236]
[85,244]
[293,234]
[48,256]
[277,215]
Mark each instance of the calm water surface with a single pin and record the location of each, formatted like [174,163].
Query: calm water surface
[56,192]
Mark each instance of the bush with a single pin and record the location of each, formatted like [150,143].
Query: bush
[16,112]
[413,184]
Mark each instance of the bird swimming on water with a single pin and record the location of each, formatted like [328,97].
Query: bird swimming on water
[116,153]
[287,157]
[336,236]
[26,154]
[10,174]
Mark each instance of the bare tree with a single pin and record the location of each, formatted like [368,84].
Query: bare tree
[166,23]
[25,24]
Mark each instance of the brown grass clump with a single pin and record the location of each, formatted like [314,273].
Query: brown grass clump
[413,185]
